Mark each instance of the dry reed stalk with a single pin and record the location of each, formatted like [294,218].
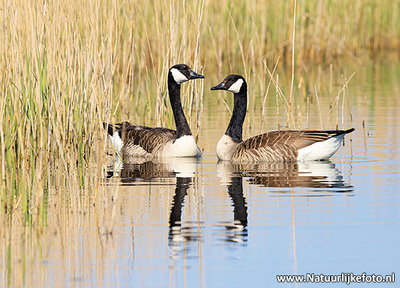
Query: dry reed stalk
[293,59]
[267,90]
[337,99]
[319,108]
[289,114]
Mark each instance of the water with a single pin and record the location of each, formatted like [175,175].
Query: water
[204,223]
[224,225]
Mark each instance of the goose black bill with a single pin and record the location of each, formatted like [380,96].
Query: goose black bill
[194,75]
[220,86]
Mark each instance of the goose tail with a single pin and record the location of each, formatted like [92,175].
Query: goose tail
[347,131]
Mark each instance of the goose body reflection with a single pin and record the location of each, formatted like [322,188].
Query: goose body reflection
[155,169]
[313,174]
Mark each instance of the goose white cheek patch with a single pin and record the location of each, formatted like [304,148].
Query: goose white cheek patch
[178,76]
[235,87]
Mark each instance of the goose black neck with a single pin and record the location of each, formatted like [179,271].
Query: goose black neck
[174,90]
[235,126]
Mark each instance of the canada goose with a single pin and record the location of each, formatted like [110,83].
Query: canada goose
[272,146]
[141,141]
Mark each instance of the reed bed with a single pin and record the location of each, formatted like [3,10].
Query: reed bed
[66,66]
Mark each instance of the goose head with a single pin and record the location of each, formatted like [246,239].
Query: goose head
[233,83]
[182,73]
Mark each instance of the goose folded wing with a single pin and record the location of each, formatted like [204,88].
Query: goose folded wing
[281,145]
[147,138]
[296,139]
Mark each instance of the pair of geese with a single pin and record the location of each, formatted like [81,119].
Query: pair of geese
[132,141]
